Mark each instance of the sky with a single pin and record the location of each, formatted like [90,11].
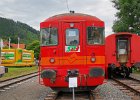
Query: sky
[32,12]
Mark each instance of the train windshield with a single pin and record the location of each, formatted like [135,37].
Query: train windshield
[95,35]
[122,46]
[72,37]
[49,36]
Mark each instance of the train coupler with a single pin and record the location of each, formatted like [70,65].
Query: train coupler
[72,73]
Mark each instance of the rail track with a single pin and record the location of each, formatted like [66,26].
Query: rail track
[18,77]
[8,83]
[88,95]
[129,86]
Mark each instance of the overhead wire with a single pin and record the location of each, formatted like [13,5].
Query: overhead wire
[67,5]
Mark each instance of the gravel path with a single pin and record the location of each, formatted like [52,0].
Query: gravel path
[32,90]
[27,90]
[136,76]
[109,92]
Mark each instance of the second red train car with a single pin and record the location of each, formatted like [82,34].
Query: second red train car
[122,53]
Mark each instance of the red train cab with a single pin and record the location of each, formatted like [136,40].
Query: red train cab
[122,53]
[72,45]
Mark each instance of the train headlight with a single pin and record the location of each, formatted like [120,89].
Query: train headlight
[96,71]
[93,59]
[52,60]
[49,73]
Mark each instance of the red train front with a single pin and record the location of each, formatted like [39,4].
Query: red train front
[72,45]
[122,53]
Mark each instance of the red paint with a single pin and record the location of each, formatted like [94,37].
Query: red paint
[81,22]
[134,50]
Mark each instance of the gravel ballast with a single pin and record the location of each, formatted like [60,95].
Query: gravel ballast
[107,91]
[32,90]
[135,76]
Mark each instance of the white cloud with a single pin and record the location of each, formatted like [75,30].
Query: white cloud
[33,12]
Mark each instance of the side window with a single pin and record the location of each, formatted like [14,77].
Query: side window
[49,36]
[95,35]
[72,37]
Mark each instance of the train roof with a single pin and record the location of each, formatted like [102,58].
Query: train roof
[121,33]
[73,16]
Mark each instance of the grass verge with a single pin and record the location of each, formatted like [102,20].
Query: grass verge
[18,71]
[136,72]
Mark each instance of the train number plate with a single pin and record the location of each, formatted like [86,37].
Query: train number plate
[72,82]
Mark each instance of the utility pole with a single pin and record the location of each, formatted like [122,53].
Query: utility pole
[9,42]
[1,43]
[0,51]
[18,41]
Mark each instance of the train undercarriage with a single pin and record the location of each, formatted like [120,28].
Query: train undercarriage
[121,71]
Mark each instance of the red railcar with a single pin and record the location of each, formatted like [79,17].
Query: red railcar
[72,45]
[122,53]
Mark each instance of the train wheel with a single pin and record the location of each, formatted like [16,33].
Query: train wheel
[127,73]
[109,72]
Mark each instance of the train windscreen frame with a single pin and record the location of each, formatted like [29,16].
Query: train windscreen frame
[95,35]
[49,36]
[72,37]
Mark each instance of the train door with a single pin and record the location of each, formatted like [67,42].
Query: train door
[49,46]
[123,46]
[73,53]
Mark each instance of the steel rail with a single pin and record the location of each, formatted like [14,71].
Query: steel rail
[127,86]
[18,77]
[16,80]
[64,96]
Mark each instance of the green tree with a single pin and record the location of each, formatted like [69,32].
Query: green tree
[128,16]
[35,46]
[15,29]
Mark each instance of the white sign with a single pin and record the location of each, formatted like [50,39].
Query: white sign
[72,82]
[72,33]
[122,51]
[72,48]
